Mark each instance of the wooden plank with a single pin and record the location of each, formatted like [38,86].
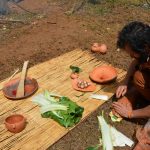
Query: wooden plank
[54,75]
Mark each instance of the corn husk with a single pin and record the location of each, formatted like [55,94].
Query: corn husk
[106,134]
[100,97]
[111,137]
[120,139]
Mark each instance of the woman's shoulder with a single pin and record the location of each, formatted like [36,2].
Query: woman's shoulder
[146,65]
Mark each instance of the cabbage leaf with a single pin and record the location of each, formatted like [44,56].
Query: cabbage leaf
[59,108]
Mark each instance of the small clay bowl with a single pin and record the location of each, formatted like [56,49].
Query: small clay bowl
[103,74]
[15,123]
[10,88]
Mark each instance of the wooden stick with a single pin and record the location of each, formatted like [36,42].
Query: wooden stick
[20,89]
[1,87]
[13,75]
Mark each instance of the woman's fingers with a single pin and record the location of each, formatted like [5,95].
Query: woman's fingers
[118,110]
[121,91]
[116,105]
[121,109]
[124,91]
[118,92]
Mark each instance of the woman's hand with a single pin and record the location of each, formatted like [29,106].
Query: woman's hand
[121,91]
[123,110]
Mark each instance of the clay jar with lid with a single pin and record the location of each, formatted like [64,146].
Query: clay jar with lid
[15,123]
[96,47]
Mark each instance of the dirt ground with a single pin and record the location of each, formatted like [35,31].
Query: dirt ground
[50,33]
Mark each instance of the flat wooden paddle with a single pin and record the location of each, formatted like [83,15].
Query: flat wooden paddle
[20,89]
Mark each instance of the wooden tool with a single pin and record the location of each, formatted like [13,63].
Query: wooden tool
[16,71]
[20,89]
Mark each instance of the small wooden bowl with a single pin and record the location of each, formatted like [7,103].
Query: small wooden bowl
[10,88]
[15,123]
[103,74]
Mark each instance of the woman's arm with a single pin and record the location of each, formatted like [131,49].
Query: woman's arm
[141,113]
[122,89]
[131,71]
[127,112]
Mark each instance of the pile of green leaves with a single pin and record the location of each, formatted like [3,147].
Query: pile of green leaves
[64,111]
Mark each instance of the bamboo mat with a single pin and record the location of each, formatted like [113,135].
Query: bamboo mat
[54,75]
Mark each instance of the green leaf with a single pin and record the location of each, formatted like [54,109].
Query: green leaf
[114,117]
[66,118]
[57,113]
[96,147]
[75,69]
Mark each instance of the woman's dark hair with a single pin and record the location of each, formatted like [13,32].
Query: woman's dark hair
[136,35]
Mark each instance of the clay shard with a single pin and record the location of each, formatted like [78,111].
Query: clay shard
[103,74]
[91,87]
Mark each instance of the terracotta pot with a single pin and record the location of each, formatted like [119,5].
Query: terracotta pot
[96,47]
[10,88]
[103,74]
[103,48]
[15,123]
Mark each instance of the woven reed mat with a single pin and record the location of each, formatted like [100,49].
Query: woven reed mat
[54,75]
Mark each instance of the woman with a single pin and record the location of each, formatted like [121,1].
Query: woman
[134,38]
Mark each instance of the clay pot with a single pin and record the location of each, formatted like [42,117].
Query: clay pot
[10,88]
[103,48]
[96,47]
[15,123]
[103,74]
[90,88]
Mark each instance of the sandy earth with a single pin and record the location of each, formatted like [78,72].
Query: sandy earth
[53,33]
